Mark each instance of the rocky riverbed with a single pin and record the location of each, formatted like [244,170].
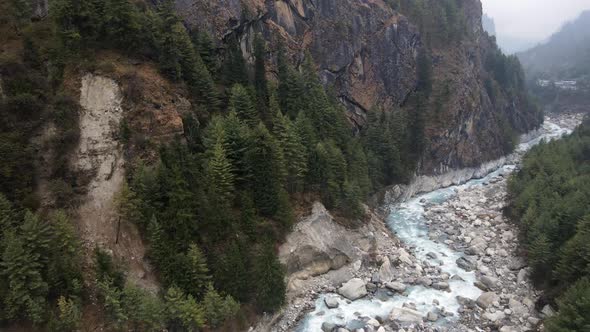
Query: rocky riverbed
[450,263]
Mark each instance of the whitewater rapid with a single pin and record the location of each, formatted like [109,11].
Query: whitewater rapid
[407,221]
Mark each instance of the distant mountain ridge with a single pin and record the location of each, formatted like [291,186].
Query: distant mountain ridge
[566,55]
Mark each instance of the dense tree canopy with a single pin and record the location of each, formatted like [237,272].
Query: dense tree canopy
[213,204]
[550,201]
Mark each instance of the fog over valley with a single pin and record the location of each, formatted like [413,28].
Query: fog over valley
[521,24]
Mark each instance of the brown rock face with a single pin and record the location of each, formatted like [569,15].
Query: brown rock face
[363,49]
[366,53]
[469,129]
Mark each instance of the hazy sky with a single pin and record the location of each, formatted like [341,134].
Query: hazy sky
[532,20]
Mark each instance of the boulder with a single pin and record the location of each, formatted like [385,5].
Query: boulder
[331,302]
[353,289]
[329,327]
[425,281]
[441,285]
[522,275]
[375,278]
[466,302]
[534,320]
[489,282]
[404,257]
[396,286]
[517,307]
[432,316]
[373,322]
[405,315]
[516,264]
[494,316]
[386,272]
[486,299]
[466,264]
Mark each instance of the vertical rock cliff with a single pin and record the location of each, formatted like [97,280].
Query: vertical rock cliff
[367,54]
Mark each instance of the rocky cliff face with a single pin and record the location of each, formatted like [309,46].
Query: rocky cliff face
[363,49]
[469,130]
[367,53]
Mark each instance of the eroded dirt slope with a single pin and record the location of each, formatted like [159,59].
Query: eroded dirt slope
[100,154]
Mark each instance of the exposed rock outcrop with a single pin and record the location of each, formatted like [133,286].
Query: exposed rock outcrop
[366,52]
[100,157]
[318,244]
[353,289]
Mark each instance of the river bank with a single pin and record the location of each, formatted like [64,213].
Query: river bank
[451,265]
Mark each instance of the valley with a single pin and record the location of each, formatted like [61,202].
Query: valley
[457,265]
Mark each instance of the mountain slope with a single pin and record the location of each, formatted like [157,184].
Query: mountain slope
[184,138]
[565,55]
[367,54]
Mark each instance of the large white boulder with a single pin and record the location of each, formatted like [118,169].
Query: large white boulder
[353,289]
[405,315]
[485,300]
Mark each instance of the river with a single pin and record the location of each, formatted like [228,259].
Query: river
[407,220]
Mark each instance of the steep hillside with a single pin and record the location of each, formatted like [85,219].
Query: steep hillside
[367,53]
[559,70]
[156,154]
[564,56]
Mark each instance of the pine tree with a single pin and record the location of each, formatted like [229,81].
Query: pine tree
[574,306]
[27,291]
[37,237]
[232,273]
[539,253]
[260,82]
[218,309]
[69,315]
[240,102]
[351,199]
[284,216]
[306,131]
[7,217]
[21,11]
[122,23]
[269,276]
[183,311]
[179,221]
[234,71]
[168,50]
[335,176]
[128,206]
[294,151]
[111,298]
[198,273]
[237,141]
[248,218]
[64,272]
[206,49]
[291,90]
[358,167]
[317,168]
[220,176]
[146,312]
[266,166]
[194,70]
